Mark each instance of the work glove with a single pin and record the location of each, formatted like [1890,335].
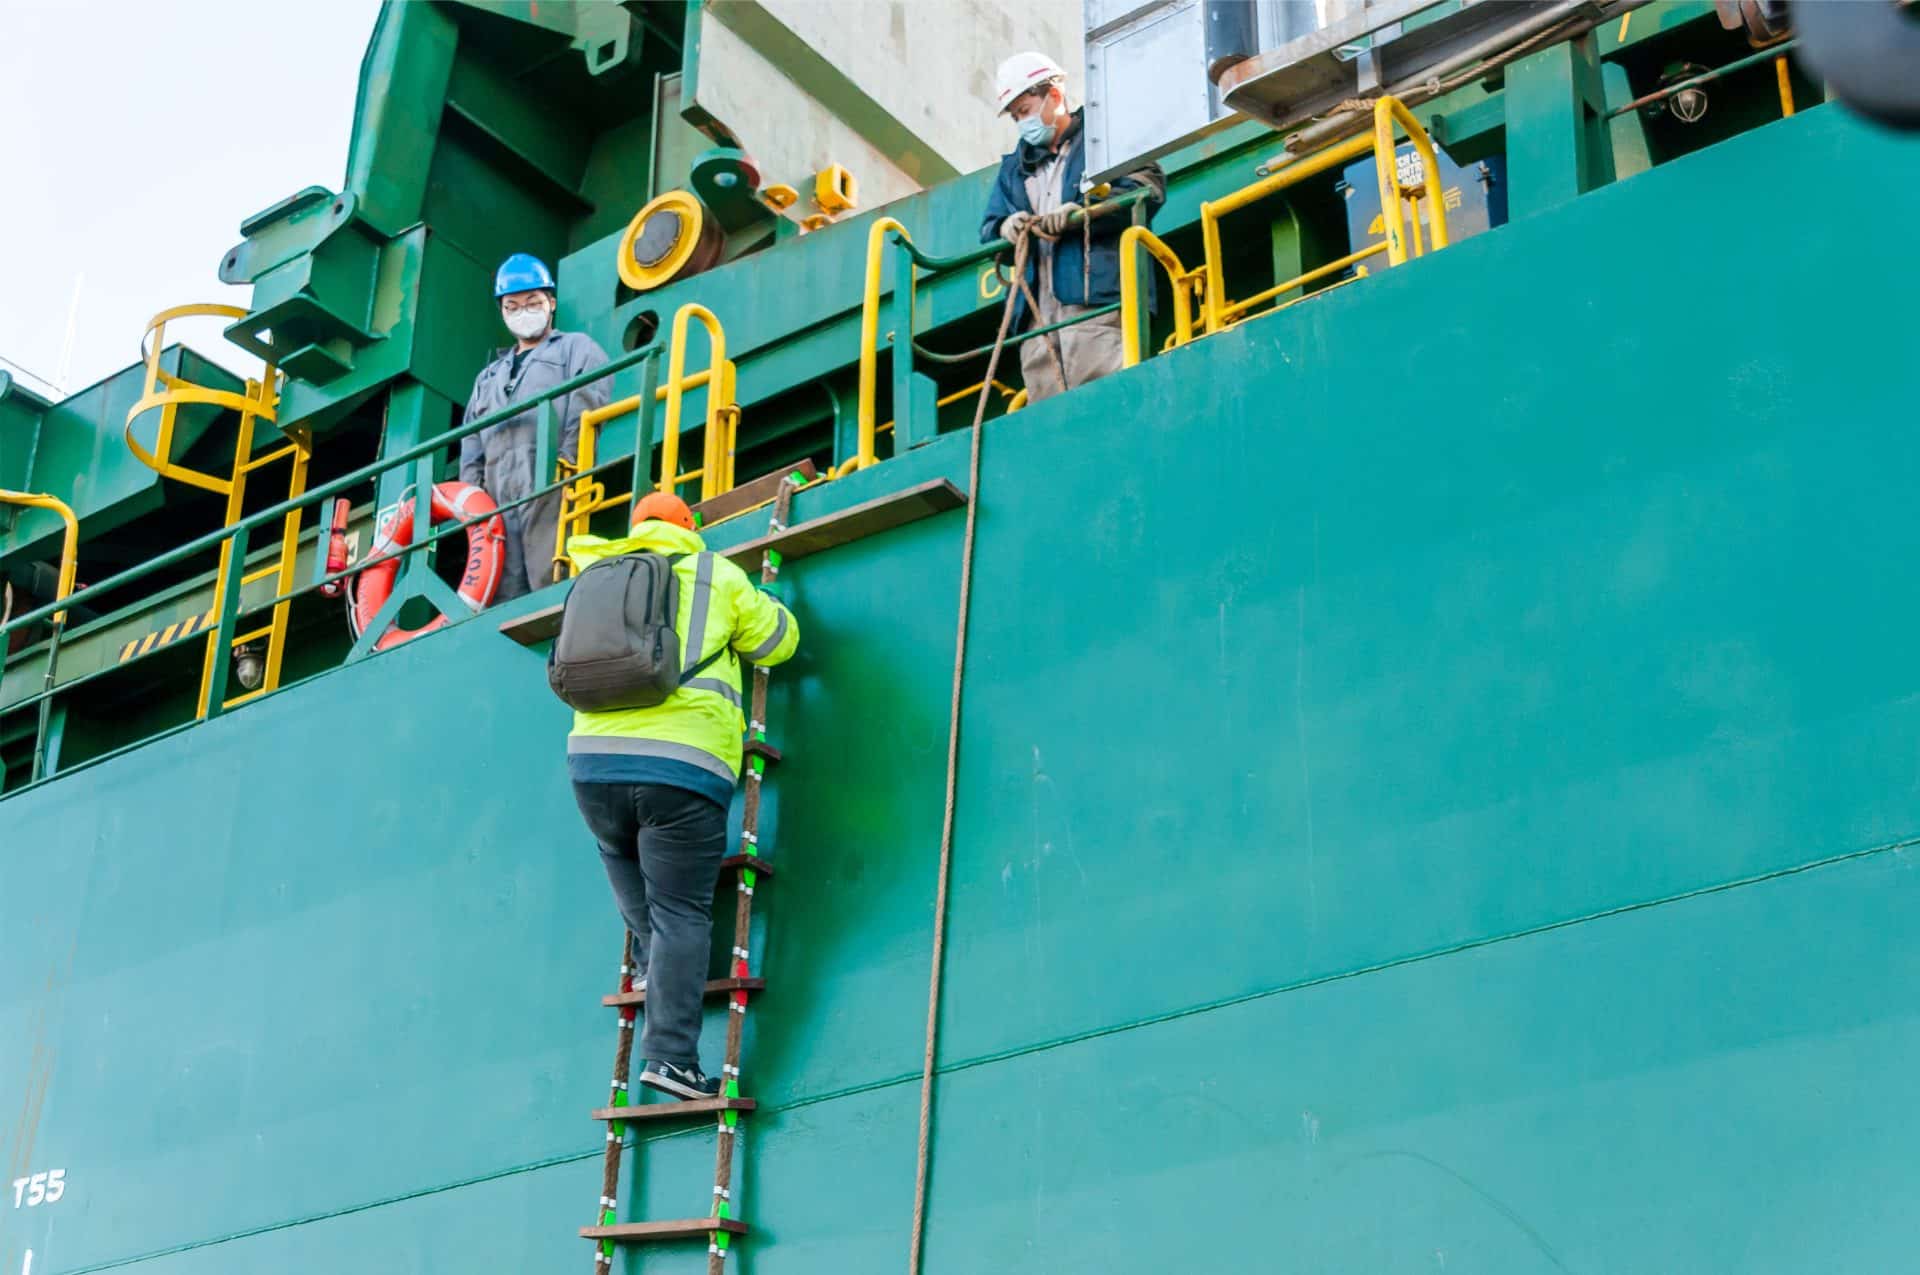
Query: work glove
[1054,224]
[1014,226]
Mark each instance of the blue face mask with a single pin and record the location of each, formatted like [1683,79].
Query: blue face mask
[1035,132]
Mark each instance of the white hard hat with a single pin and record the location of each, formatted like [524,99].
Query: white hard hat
[1021,72]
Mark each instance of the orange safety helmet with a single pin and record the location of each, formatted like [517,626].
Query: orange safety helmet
[664,506]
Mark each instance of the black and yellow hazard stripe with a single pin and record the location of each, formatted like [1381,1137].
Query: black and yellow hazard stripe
[160,637]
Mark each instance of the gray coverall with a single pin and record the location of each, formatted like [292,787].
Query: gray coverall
[500,458]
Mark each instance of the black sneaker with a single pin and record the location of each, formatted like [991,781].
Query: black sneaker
[682,1082]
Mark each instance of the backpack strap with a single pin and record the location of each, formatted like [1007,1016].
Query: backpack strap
[697,669]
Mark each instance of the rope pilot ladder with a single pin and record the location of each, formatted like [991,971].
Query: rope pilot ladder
[748,868]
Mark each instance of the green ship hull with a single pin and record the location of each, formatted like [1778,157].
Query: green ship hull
[1436,789]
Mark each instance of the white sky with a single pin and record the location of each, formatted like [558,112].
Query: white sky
[135,136]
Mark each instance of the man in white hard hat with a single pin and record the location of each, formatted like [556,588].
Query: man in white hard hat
[1071,267]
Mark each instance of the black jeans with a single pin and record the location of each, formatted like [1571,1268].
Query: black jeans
[662,848]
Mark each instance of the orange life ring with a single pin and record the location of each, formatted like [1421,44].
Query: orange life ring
[486,556]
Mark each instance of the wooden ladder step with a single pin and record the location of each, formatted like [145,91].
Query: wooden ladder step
[752,494]
[870,518]
[735,862]
[669,1110]
[715,987]
[684,1229]
[761,748]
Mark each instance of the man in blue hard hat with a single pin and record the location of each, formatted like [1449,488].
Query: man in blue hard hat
[500,458]
[1072,267]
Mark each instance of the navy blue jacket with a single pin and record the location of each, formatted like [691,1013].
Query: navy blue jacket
[1070,280]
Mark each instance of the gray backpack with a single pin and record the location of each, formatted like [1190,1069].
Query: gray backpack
[617,647]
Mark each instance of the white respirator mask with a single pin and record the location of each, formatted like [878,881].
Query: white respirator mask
[529,323]
[1035,131]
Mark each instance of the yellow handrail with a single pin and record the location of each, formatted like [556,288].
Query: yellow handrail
[69,543]
[1177,275]
[1386,112]
[1213,210]
[1006,391]
[719,451]
[1220,312]
[1239,308]
[583,499]
[870,341]
[167,392]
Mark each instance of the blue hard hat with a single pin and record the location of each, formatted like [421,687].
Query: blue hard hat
[522,272]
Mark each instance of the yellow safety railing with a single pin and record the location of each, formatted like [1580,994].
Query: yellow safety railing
[723,414]
[1387,112]
[588,496]
[1184,283]
[1221,312]
[904,351]
[1213,210]
[1016,399]
[1005,391]
[69,564]
[69,542]
[865,454]
[257,405]
[1238,309]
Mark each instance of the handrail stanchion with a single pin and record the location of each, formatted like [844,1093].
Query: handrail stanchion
[284,575]
[1133,316]
[546,450]
[1220,312]
[69,539]
[213,682]
[643,432]
[909,430]
[587,495]
[869,413]
[677,385]
[723,417]
[1213,210]
[1386,112]
[62,589]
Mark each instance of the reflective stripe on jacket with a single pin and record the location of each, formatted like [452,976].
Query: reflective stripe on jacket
[693,739]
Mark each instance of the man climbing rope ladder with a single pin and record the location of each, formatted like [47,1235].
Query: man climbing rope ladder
[654,781]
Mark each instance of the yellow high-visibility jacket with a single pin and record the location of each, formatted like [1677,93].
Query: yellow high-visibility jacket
[692,740]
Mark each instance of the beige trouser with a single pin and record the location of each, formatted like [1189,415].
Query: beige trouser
[1088,350]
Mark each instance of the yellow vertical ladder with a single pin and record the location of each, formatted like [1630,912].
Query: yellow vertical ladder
[256,406]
